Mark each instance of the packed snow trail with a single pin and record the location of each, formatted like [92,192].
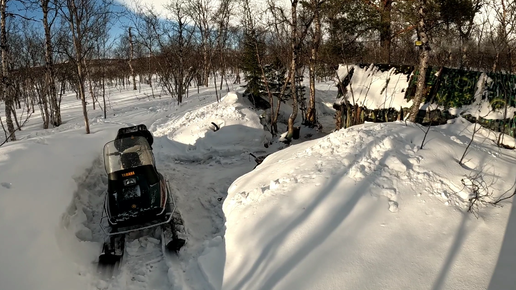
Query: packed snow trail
[200,165]
[200,162]
[143,265]
[199,187]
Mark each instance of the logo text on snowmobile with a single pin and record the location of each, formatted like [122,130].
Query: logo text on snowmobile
[128,174]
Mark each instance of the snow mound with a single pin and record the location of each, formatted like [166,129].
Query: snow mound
[318,193]
[212,130]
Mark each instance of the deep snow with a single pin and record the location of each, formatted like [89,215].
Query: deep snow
[361,208]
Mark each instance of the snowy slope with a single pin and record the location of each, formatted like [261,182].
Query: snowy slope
[362,208]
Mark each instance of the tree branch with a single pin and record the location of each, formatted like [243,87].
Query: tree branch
[16,129]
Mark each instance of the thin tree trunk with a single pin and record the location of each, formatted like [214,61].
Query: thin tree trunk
[423,63]
[385,31]
[82,95]
[104,96]
[215,85]
[131,56]
[46,113]
[206,60]
[495,63]
[293,70]
[76,30]
[181,57]
[41,93]
[49,69]
[90,86]
[311,114]
[8,97]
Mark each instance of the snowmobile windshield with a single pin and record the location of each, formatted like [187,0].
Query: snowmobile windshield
[125,153]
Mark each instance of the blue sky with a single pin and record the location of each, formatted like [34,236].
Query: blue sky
[118,24]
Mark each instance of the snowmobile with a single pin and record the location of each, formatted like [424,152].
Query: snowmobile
[138,197]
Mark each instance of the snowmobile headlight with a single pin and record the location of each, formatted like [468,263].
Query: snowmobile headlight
[129,181]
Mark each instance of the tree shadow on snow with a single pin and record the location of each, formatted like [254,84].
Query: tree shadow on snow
[201,191]
[503,276]
[460,237]
[257,273]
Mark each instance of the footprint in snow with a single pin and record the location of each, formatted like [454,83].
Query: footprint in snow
[393,206]
[456,140]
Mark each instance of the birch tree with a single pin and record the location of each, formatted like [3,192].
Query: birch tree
[131,57]
[298,30]
[176,56]
[295,47]
[222,19]
[6,87]
[315,6]
[201,11]
[85,19]
[146,23]
[50,84]
[424,56]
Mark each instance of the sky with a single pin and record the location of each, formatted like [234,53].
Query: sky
[358,208]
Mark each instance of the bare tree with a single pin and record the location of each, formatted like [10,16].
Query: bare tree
[424,55]
[502,38]
[6,86]
[222,19]
[55,102]
[131,56]
[177,55]
[315,6]
[201,11]
[298,32]
[146,23]
[29,77]
[85,19]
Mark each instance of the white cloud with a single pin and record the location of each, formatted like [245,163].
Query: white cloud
[159,6]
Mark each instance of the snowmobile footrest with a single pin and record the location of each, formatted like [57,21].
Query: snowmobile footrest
[109,259]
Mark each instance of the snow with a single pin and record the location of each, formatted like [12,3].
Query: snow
[483,109]
[375,89]
[359,208]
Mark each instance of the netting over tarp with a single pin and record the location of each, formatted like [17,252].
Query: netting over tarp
[452,88]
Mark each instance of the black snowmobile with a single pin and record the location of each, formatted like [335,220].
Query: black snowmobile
[138,196]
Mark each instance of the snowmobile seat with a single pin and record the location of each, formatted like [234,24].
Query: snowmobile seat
[130,160]
[134,131]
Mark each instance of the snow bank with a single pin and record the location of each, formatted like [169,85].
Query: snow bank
[365,208]
[40,173]
[223,128]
